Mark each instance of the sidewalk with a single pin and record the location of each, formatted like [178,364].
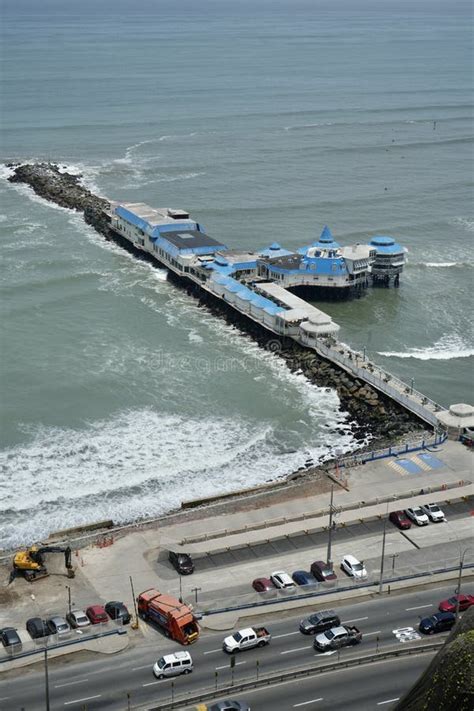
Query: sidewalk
[447,465]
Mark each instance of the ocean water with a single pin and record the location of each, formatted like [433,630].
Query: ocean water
[267,120]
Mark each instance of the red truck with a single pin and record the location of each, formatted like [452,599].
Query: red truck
[174,617]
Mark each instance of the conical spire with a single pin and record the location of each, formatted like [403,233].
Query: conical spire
[326,235]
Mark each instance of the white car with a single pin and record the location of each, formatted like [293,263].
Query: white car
[78,619]
[173,665]
[418,516]
[353,567]
[433,512]
[282,580]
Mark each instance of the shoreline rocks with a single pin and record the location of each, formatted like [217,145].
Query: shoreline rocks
[373,414]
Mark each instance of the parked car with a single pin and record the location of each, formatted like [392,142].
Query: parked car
[302,577]
[228,705]
[439,622]
[10,639]
[353,567]
[78,619]
[449,605]
[322,571]
[182,562]
[262,585]
[173,665]
[400,520]
[417,516]
[118,611]
[433,512]
[282,580]
[37,627]
[319,622]
[97,614]
[59,626]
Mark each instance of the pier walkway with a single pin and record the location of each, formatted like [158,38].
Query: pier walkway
[360,367]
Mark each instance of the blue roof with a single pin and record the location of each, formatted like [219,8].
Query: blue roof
[325,241]
[244,292]
[386,245]
[274,250]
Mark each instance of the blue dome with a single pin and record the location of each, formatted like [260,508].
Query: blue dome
[382,241]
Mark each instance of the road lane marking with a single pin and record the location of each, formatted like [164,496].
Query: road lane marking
[298,649]
[367,634]
[152,683]
[388,701]
[325,654]
[79,701]
[145,666]
[356,619]
[70,683]
[211,651]
[418,607]
[226,666]
[287,634]
[305,703]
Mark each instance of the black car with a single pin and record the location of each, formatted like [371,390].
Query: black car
[319,622]
[37,627]
[118,611]
[439,622]
[182,562]
[9,638]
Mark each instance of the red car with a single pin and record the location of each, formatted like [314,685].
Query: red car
[400,520]
[322,571]
[97,614]
[263,585]
[449,605]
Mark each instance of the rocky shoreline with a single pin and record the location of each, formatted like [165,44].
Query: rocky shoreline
[373,414]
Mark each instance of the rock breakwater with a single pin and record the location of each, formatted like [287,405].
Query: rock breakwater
[373,414]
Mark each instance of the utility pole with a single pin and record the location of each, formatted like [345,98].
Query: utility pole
[331,510]
[69,598]
[458,590]
[134,604]
[46,676]
[180,588]
[383,556]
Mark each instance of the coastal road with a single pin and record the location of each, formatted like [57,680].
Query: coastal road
[103,682]
[375,686]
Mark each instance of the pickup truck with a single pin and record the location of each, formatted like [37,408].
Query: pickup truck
[337,637]
[246,639]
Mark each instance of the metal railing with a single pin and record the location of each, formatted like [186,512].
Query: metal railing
[321,590]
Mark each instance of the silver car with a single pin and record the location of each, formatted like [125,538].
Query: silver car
[78,619]
[59,626]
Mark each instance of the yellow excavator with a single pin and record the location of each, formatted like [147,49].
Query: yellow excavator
[30,563]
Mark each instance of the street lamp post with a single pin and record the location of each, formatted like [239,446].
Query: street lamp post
[69,604]
[331,511]
[458,590]
[180,588]
[195,591]
[383,556]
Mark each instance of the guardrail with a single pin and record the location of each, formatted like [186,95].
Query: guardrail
[279,677]
[390,385]
[393,451]
[330,589]
[317,513]
[60,645]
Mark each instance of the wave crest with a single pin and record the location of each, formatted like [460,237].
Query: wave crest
[447,348]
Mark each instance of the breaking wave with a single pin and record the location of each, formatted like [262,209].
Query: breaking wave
[447,348]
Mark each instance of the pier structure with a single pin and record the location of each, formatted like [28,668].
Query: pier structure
[248,282]
[388,262]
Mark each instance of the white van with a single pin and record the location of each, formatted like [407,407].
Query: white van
[173,664]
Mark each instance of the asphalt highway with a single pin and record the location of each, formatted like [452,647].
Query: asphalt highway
[375,686]
[103,682]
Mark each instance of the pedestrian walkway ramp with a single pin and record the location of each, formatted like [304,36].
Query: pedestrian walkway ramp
[416,464]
